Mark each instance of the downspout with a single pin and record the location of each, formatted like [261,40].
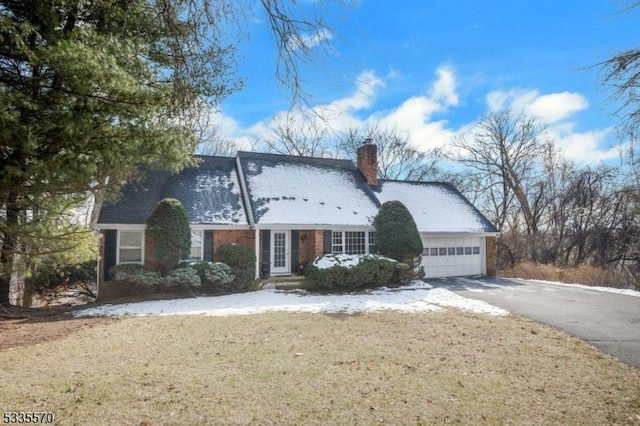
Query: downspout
[257,249]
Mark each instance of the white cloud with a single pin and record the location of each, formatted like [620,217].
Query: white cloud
[555,107]
[414,115]
[585,147]
[549,108]
[443,90]
[309,41]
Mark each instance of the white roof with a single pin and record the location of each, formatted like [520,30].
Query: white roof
[435,207]
[302,194]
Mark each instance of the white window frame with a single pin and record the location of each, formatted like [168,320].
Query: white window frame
[120,247]
[342,243]
[201,256]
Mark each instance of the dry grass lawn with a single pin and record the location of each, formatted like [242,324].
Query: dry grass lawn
[286,368]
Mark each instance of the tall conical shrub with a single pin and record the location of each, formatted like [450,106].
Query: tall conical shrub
[168,232]
[397,235]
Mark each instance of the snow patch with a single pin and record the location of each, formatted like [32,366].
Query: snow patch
[412,298]
[444,297]
[347,260]
[624,291]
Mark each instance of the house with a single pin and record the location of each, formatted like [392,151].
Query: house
[292,209]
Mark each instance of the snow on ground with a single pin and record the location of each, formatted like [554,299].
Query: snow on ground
[625,291]
[417,296]
[475,282]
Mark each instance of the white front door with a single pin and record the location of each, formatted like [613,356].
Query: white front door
[280,249]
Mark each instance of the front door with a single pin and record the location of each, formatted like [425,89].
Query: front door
[280,249]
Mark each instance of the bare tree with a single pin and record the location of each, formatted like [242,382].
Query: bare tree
[504,151]
[296,133]
[622,73]
[397,157]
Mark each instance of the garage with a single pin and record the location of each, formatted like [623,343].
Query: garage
[453,256]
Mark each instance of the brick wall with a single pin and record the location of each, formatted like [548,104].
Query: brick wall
[491,256]
[245,237]
[311,245]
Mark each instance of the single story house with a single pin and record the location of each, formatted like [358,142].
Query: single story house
[291,209]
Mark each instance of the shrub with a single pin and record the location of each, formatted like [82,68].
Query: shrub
[215,277]
[397,235]
[242,261]
[351,272]
[168,231]
[136,277]
[183,278]
[50,274]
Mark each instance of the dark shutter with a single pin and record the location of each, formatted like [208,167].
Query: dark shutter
[327,242]
[208,246]
[110,251]
[295,250]
[265,236]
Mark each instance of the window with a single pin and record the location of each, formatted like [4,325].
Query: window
[467,250]
[425,251]
[337,243]
[130,246]
[355,242]
[476,250]
[443,251]
[352,242]
[459,251]
[434,251]
[452,251]
[196,245]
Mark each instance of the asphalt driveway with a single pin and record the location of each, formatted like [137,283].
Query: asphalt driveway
[608,321]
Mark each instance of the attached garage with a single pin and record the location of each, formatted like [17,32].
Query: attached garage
[457,239]
[453,256]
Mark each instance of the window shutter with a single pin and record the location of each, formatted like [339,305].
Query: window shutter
[265,236]
[110,251]
[208,246]
[295,249]
[327,242]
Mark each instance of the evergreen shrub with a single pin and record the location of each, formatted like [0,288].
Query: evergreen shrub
[370,271]
[136,277]
[242,261]
[397,235]
[215,277]
[169,233]
[183,278]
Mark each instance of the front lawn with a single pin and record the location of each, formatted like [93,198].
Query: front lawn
[301,368]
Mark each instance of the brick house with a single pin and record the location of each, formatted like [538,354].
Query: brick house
[292,209]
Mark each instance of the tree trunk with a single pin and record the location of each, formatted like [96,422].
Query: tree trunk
[9,245]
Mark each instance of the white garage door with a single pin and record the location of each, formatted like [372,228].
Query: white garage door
[452,257]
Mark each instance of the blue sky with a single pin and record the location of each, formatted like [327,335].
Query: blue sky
[432,68]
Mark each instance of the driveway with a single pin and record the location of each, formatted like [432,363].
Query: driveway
[608,321]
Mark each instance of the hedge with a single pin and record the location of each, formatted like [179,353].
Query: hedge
[366,271]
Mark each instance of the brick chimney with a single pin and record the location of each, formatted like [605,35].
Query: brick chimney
[368,161]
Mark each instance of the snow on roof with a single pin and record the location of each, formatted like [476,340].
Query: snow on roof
[435,207]
[209,193]
[285,190]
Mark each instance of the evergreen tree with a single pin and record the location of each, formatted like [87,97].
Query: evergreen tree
[397,235]
[168,232]
[89,90]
